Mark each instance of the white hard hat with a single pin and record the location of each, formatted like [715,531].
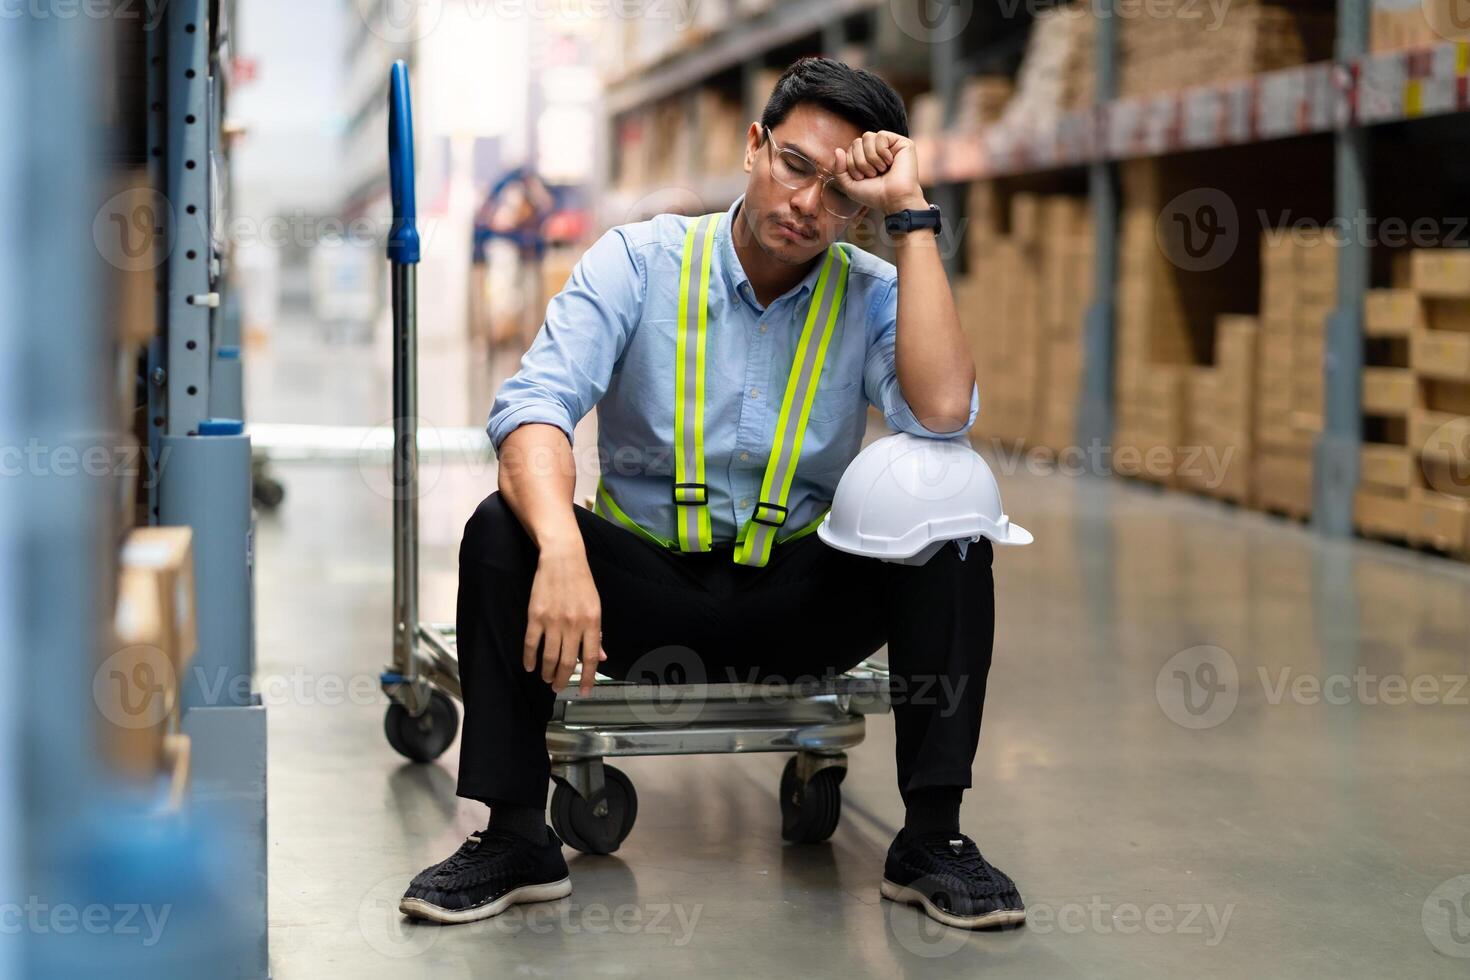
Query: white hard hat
[904,496]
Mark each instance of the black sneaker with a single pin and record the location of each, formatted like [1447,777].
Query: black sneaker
[491,871]
[948,878]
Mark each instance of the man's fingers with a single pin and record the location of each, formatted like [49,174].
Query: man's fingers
[871,151]
[568,660]
[860,161]
[533,640]
[592,655]
[550,654]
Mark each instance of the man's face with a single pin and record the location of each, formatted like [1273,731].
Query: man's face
[792,226]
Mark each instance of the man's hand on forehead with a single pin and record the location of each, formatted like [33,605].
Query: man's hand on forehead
[880,170]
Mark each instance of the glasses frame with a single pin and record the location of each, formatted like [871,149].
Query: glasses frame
[822,173]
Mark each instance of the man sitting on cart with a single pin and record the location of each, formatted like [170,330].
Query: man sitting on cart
[731,358]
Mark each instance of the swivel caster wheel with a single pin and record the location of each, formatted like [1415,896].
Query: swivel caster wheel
[424,738]
[810,810]
[598,825]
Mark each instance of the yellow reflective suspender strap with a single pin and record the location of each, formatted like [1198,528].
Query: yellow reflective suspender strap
[691,493]
[604,506]
[759,533]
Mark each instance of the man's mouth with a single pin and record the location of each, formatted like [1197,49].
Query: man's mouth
[794,232]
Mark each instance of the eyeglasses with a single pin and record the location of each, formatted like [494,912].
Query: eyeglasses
[795,171]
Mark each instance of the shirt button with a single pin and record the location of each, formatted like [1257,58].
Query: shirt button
[764,327]
[745,457]
[744,501]
[755,393]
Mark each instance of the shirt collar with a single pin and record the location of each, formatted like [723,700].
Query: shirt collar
[735,275]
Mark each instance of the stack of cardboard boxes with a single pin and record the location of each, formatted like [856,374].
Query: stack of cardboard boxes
[1298,291]
[1221,398]
[1178,43]
[1439,420]
[1386,467]
[1022,306]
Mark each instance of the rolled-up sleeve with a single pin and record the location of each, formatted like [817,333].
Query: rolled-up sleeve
[880,372]
[569,365]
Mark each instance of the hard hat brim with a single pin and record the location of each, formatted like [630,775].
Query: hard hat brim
[1015,535]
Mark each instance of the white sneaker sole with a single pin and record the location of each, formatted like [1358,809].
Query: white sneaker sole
[908,896]
[550,891]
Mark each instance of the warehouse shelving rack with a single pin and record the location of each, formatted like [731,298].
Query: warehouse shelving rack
[1344,97]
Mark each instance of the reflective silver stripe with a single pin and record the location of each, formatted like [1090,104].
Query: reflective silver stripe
[689,449]
[762,535]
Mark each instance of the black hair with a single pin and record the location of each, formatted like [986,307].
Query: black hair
[855,94]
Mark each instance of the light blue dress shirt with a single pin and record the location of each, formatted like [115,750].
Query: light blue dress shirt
[609,340]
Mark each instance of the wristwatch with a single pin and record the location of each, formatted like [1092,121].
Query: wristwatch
[903,222]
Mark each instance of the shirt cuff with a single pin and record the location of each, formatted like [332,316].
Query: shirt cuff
[503,425]
[902,418]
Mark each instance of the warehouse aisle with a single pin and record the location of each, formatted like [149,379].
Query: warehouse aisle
[1196,760]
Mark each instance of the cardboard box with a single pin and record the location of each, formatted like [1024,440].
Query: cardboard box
[165,555]
[1440,436]
[1440,354]
[1392,313]
[1381,515]
[1025,218]
[136,687]
[1385,466]
[1283,482]
[1441,272]
[1388,391]
[1446,476]
[1439,521]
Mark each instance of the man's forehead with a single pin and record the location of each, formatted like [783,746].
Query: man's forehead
[814,132]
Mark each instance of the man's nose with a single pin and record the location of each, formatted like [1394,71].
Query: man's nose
[808,200]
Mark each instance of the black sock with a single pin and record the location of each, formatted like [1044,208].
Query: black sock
[527,821]
[934,809]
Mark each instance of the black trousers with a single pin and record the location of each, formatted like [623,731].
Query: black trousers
[810,612]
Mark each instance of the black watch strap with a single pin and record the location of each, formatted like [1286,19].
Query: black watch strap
[903,222]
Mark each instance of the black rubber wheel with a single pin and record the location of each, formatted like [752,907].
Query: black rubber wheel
[598,825]
[809,813]
[422,739]
[268,493]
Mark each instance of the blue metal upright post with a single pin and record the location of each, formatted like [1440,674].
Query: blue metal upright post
[1335,478]
[1095,414]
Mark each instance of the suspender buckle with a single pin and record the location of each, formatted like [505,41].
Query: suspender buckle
[766,513]
[691,494]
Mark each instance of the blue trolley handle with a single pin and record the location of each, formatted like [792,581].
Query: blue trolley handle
[403,238]
[402,680]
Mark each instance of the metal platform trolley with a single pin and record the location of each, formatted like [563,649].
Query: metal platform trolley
[593,805]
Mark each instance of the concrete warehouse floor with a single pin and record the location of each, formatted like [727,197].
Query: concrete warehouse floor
[1280,806]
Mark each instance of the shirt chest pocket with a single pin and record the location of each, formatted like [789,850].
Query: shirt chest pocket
[834,402]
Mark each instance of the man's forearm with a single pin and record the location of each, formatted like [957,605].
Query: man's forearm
[935,370]
[537,479]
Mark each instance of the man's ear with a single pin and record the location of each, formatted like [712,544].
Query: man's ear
[752,146]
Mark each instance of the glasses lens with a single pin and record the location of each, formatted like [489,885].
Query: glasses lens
[839,203]
[792,169]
